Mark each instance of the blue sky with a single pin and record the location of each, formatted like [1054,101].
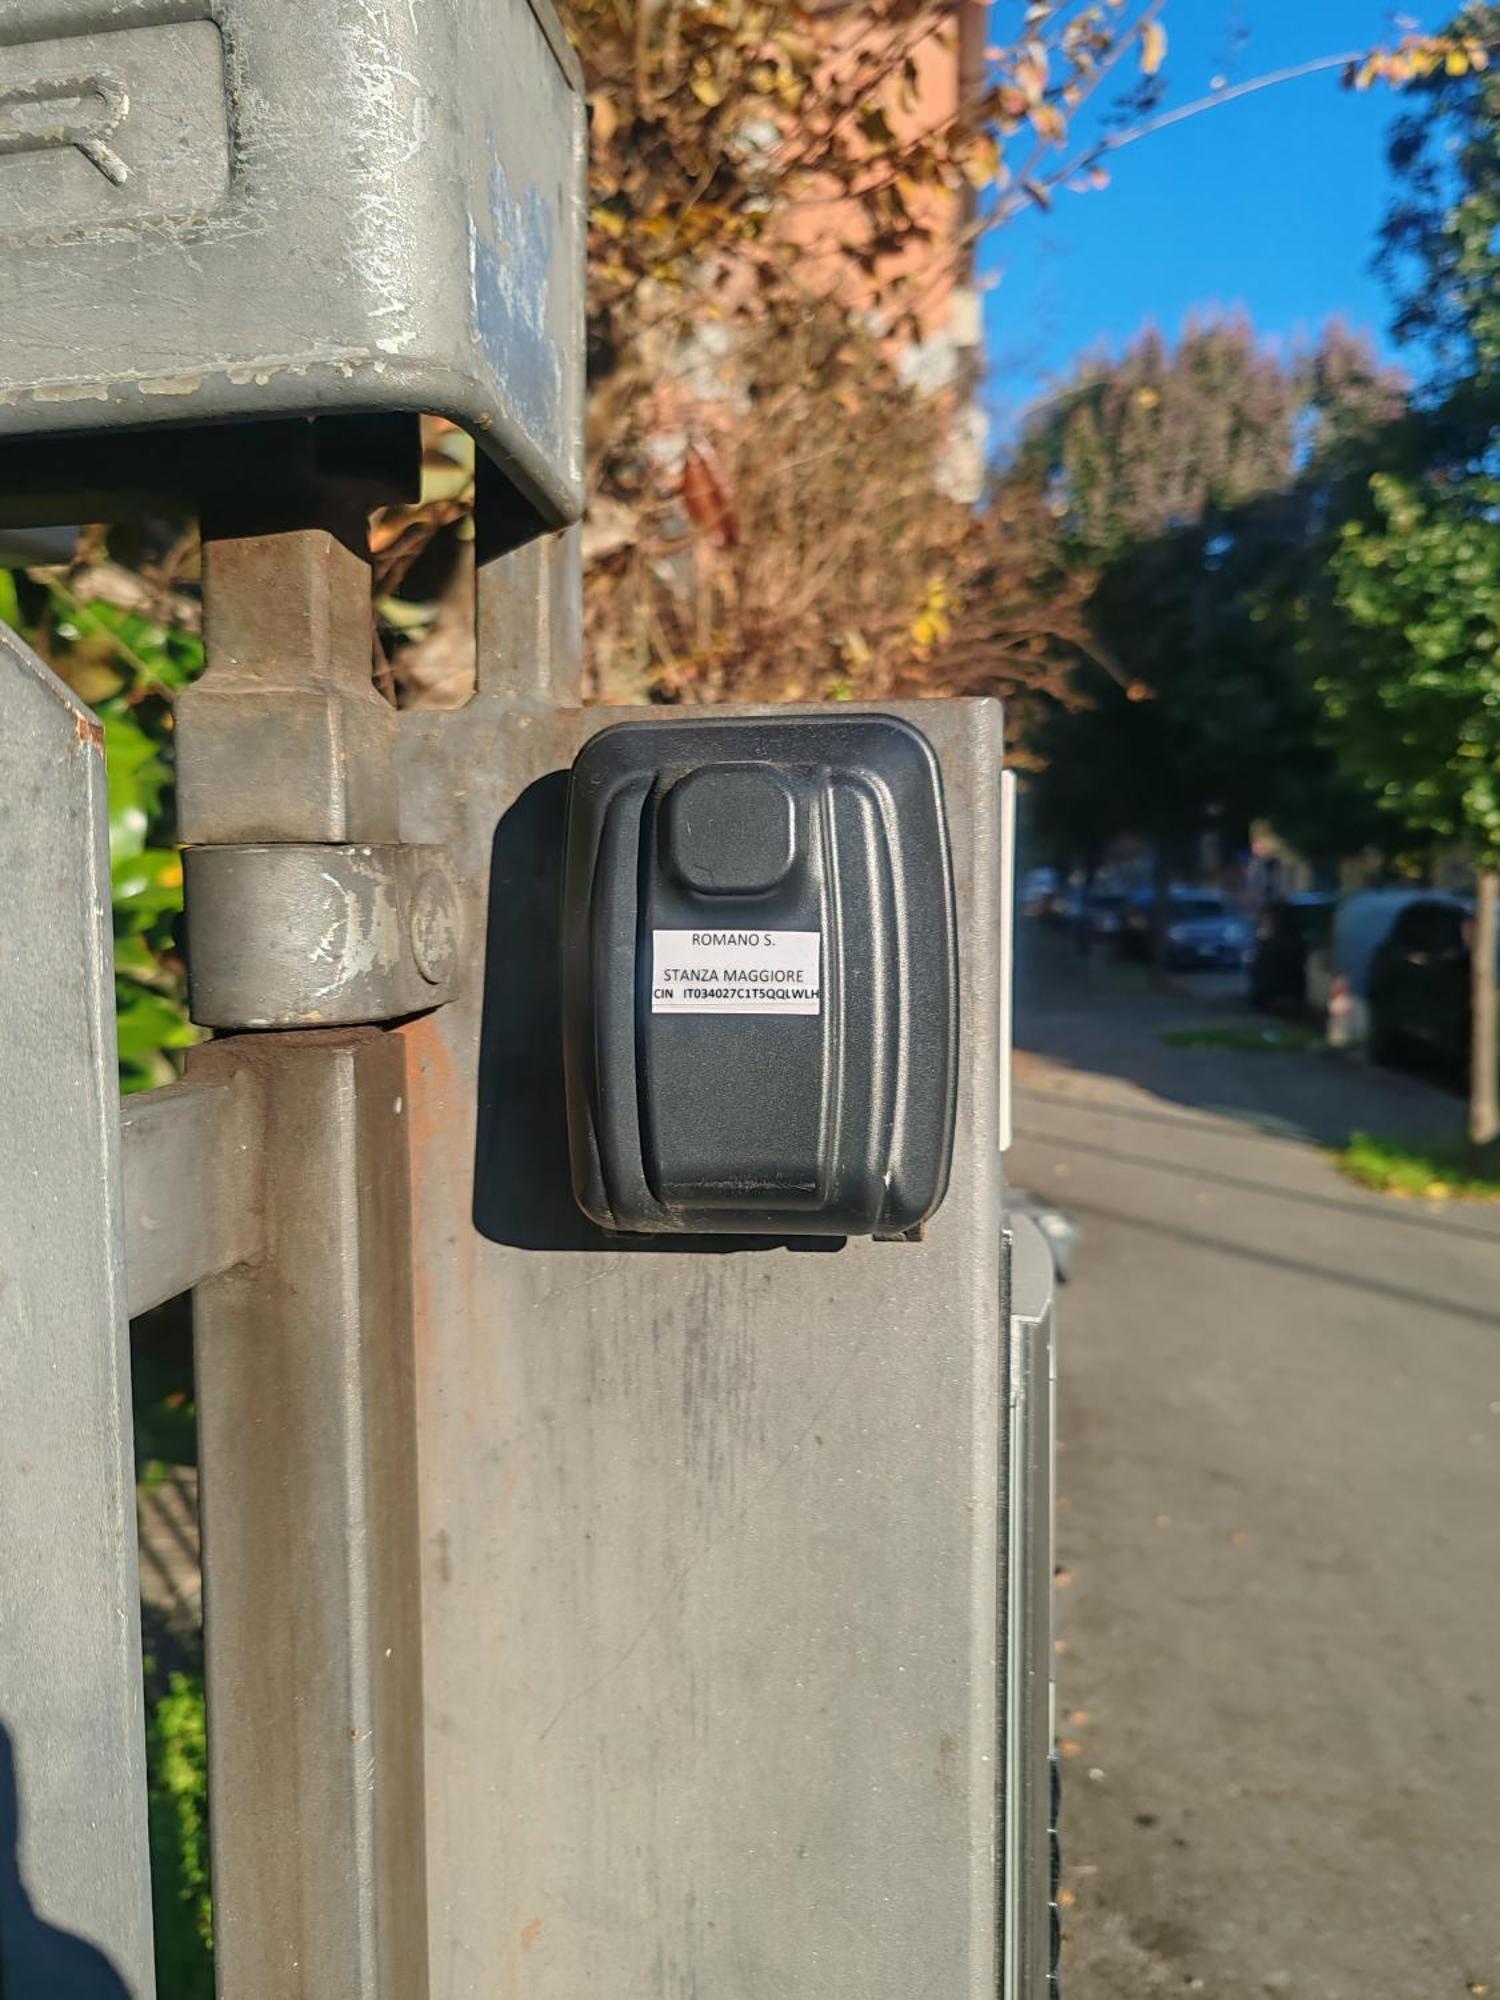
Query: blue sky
[1271,204]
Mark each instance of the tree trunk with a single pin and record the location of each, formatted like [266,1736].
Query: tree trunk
[1484,1069]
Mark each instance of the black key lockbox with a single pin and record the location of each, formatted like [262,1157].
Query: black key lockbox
[760,976]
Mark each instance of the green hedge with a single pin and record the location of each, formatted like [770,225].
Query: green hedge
[128,666]
[177,1762]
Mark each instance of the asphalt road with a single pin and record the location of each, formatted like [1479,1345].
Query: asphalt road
[1280,1522]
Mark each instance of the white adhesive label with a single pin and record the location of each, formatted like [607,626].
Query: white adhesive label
[736,972]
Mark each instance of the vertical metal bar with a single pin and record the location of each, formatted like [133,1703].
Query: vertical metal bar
[313,1614]
[75,1906]
[1027,1543]
[529,608]
[1007,949]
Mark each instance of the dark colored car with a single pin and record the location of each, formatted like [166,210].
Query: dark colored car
[1420,1001]
[1089,915]
[1288,931]
[1203,932]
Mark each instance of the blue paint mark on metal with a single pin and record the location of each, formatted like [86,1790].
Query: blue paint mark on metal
[511,267]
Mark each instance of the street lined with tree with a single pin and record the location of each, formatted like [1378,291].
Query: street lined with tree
[1295,561]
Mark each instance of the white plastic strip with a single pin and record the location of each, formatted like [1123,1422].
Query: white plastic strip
[1007,945]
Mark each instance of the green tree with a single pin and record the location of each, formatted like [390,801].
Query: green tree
[1165,437]
[1415,568]
[1438,245]
[767,180]
[1416,697]
[1193,478]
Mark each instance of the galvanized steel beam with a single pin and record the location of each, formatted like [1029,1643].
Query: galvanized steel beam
[75,1907]
[272,211]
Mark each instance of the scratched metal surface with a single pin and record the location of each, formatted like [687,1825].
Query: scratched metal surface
[75,1909]
[244,208]
[710,1549]
[293,934]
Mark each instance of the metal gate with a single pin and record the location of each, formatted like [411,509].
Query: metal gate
[584,1613]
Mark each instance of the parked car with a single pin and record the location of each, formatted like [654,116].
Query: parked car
[1203,930]
[1419,997]
[1338,973]
[1289,932]
[1206,931]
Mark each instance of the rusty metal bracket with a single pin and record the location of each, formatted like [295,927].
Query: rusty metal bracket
[302,935]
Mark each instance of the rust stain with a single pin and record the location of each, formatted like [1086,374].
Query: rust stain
[530,1933]
[437,1134]
[439,1121]
[89,730]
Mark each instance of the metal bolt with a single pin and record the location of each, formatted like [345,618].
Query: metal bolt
[432,924]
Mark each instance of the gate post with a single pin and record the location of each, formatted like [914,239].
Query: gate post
[717,1650]
[75,1908]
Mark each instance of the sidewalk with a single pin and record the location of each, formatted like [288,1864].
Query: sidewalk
[1279,1506]
[1092,1028]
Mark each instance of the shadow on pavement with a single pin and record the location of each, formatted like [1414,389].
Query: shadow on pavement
[1101,1019]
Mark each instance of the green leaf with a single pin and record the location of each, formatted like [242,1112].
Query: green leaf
[149,1024]
[148,883]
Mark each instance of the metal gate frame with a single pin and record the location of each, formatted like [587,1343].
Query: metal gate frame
[583,1614]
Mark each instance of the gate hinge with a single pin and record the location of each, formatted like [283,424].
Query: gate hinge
[291,934]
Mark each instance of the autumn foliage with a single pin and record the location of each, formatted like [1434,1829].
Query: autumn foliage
[784,203]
